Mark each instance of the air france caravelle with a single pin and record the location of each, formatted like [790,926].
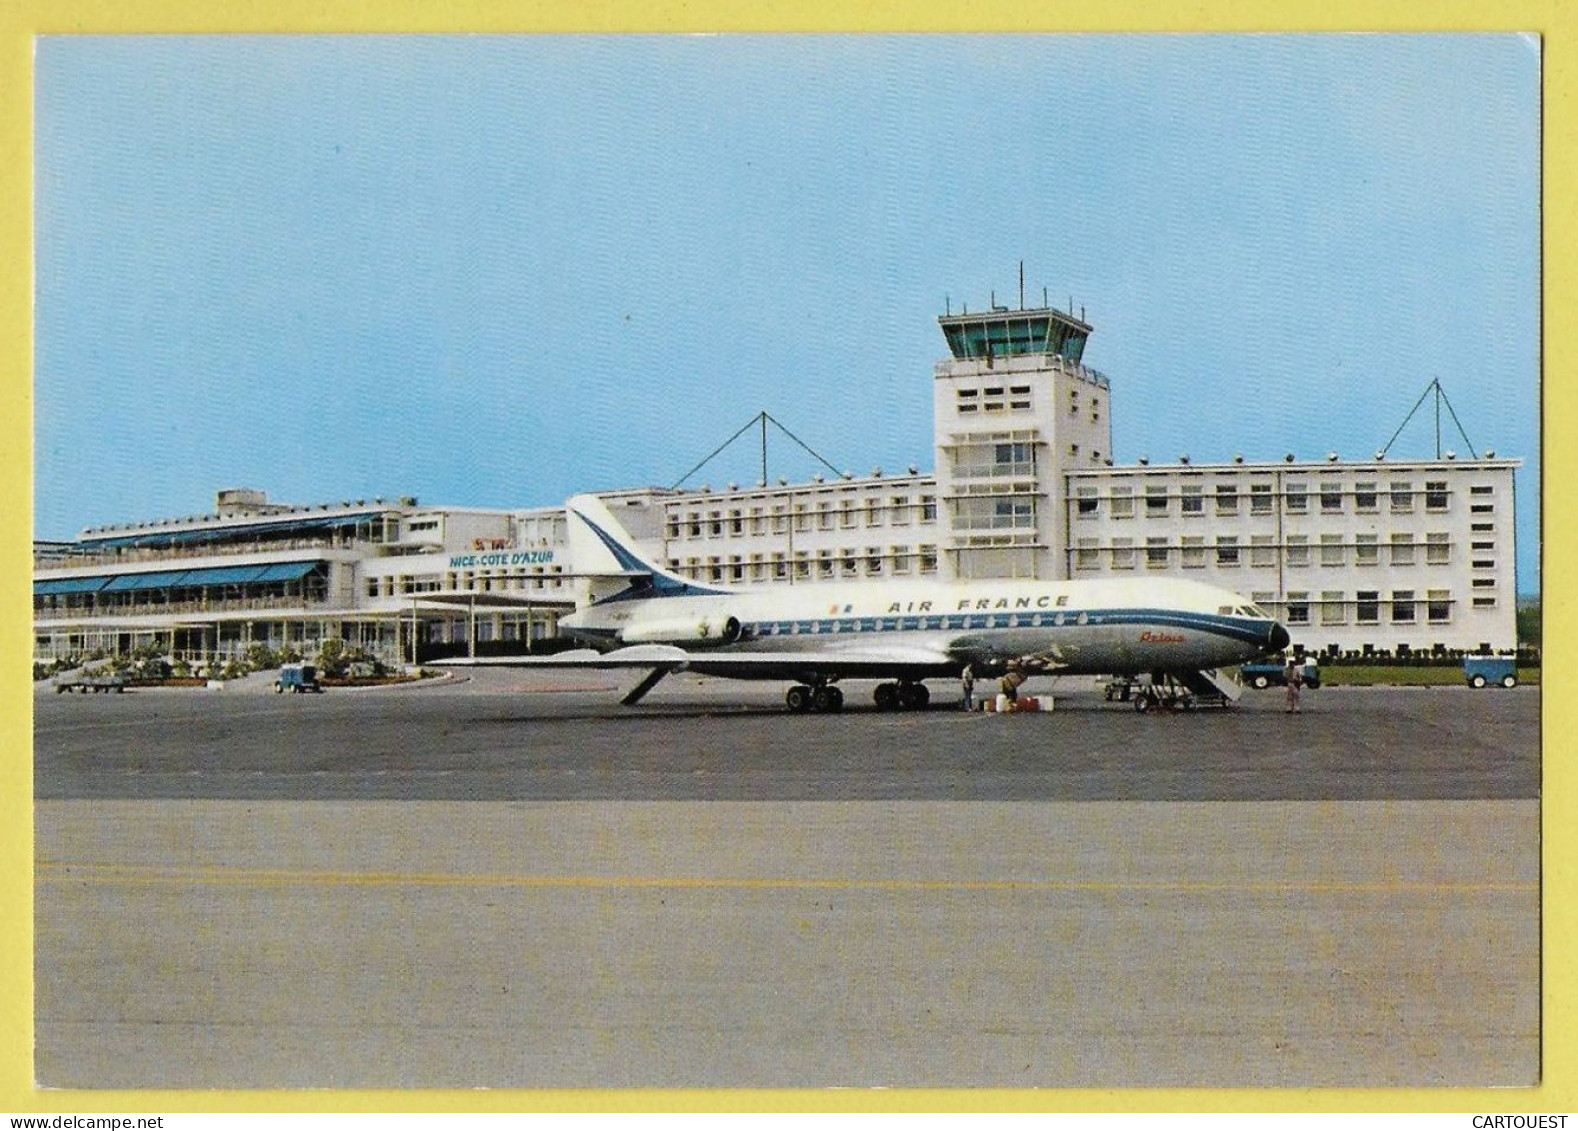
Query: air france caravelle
[642,618]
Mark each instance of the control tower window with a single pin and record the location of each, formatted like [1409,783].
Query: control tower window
[1015,333]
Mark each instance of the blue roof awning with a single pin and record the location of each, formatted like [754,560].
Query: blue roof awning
[218,575]
[287,571]
[58,585]
[142,581]
[177,579]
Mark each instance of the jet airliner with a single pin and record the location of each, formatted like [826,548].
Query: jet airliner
[641,617]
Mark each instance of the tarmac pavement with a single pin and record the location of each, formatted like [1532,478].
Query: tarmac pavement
[511,882]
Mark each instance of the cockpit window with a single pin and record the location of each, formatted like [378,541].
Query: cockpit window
[1254,611]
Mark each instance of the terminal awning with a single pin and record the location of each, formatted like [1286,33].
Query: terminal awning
[143,581]
[217,575]
[177,579]
[68,585]
[287,571]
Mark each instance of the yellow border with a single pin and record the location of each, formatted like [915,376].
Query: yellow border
[21,20]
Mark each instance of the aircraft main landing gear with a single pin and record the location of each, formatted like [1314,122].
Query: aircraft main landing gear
[824,698]
[1163,695]
[909,696]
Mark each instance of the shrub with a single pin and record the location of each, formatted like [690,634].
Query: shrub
[260,657]
[332,660]
[336,658]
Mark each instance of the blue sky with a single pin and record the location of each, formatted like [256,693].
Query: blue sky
[499,270]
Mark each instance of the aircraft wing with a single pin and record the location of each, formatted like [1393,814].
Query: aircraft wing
[866,661]
[636,656]
[661,660]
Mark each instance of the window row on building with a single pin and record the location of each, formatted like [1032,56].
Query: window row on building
[1162,500]
[806,565]
[478,581]
[1010,397]
[995,459]
[1402,548]
[847,513]
[1301,607]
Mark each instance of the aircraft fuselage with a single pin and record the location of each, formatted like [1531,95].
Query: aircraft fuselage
[1109,626]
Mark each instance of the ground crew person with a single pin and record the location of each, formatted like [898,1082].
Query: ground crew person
[1295,680]
[1011,681]
[967,682]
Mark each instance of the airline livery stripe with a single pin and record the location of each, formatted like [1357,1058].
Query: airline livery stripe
[1251,632]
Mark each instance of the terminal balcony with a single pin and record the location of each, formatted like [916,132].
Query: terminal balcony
[1024,363]
[141,555]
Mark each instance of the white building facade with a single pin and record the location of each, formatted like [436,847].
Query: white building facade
[1354,556]
[397,579]
[1381,556]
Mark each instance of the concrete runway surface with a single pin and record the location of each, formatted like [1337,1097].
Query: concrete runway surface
[512,881]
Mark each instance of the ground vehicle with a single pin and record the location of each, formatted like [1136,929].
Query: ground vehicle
[1261,674]
[298,678]
[1480,670]
[87,683]
[1119,688]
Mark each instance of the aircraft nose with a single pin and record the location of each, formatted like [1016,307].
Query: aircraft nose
[1277,639]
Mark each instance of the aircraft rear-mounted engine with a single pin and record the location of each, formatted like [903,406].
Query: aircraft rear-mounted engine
[695,632]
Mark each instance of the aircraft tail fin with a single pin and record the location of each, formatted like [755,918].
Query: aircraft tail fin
[598,533]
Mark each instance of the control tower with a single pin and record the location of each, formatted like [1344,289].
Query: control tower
[1014,409]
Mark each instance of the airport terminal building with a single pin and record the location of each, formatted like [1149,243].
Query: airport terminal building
[1353,555]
